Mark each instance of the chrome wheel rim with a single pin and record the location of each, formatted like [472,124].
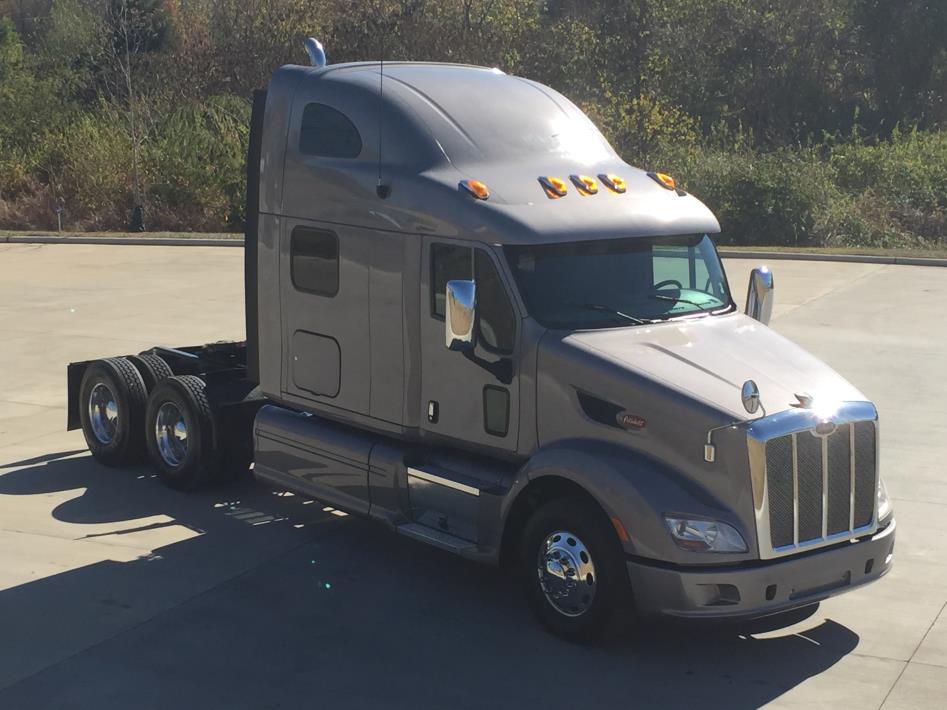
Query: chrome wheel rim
[171,434]
[567,573]
[103,413]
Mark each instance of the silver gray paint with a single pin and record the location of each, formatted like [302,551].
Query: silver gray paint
[682,377]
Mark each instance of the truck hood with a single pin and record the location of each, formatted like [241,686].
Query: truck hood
[709,359]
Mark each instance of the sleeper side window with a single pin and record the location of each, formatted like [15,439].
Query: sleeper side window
[314,261]
[497,324]
[328,133]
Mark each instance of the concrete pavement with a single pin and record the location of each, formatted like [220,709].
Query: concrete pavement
[116,592]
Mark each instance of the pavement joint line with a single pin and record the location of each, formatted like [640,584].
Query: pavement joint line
[914,653]
[158,614]
[878,658]
[49,535]
[238,241]
[30,404]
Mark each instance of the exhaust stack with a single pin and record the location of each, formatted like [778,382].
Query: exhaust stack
[317,53]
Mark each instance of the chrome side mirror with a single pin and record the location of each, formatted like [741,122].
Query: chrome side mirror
[460,315]
[759,295]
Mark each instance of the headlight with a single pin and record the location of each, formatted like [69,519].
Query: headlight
[884,504]
[705,535]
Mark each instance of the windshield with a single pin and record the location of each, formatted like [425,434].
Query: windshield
[607,283]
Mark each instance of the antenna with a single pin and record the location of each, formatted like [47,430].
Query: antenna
[381,190]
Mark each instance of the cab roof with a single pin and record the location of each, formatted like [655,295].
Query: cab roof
[429,126]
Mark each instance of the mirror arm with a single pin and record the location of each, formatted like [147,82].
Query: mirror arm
[501,369]
[710,449]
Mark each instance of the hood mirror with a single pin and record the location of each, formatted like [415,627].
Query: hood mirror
[750,394]
[460,315]
[759,295]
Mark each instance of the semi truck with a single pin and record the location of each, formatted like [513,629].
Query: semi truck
[468,319]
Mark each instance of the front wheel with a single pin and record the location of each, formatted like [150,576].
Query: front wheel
[574,571]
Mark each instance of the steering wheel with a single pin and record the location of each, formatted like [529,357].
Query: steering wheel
[669,282]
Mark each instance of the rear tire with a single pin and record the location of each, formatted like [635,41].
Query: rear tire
[573,571]
[151,368]
[111,409]
[179,432]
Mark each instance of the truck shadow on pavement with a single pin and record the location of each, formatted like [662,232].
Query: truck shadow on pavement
[251,598]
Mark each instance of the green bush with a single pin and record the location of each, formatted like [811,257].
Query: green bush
[888,194]
[194,166]
[777,115]
[86,168]
[907,173]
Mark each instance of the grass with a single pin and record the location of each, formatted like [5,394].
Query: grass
[123,235]
[936,253]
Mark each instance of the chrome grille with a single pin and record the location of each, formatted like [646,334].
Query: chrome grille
[781,491]
[839,477]
[864,498]
[813,489]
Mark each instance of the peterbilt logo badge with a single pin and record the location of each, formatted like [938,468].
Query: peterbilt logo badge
[825,428]
[631,422]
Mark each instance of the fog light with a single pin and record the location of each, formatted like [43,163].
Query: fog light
[705,535]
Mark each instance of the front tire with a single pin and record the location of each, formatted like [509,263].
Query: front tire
[573,571]
[179,432]
[111,408]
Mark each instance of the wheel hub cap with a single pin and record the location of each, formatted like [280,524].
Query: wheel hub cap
[103,413]
[566,573]
[171,434]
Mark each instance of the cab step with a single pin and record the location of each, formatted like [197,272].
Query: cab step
[437,538]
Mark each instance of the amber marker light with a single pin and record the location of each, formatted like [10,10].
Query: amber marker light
[585,184]
[554,187]
[664,180]
[476,188]
[613,183]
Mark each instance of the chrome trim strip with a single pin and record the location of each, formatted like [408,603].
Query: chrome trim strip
[851,491]
[795,493]
[825,486]
[446,482]
[794,420]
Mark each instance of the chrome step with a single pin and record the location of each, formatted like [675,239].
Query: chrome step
[437,538]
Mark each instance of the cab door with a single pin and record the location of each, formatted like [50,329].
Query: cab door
[472,398]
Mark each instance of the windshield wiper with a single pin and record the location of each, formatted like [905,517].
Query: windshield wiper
[609,309]
[676,299]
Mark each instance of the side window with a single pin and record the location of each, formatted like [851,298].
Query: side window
[314,261]
[497,322]
[448,262]
[328,133]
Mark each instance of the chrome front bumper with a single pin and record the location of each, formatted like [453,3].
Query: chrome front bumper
[761,588]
